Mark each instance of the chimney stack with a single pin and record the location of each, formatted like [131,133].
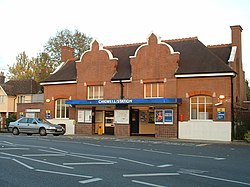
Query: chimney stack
[66,53]
[2,77]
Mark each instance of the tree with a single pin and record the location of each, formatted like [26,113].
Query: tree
[248,90]
[77,40]
[38,68]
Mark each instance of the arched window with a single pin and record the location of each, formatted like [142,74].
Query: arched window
[61,109]
[201,108]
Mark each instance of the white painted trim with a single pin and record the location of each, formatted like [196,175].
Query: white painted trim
[232,54]
[3,91]
[130,80]
[55,83]
[58,68]
[100,49]
[158,42]
[205,75]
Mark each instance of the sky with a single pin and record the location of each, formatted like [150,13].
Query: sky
[26,25]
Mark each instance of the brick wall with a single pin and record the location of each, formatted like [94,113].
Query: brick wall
[122,130]
[84,129]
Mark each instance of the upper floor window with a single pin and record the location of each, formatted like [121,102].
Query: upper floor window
[95,92]
[21,99]
[153,90]
[62,109]
[201,108]
[2,98]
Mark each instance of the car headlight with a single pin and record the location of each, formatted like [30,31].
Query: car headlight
[52,128]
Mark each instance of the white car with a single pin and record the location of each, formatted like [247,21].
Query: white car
[31,126]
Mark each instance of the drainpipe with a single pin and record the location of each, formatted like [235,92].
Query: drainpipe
[122,96]
[232,110]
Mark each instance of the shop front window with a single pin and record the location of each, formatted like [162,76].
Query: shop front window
[95,92]
[153,90]
[61,109]
[201,108]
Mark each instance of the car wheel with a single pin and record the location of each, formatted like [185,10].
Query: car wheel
[42,132]
[15,131]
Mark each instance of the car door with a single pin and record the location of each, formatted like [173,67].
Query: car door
[23,125]
[33,126]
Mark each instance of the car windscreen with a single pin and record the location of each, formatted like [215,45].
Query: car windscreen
[42,121]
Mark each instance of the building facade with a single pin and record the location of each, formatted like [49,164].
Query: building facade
[163,88]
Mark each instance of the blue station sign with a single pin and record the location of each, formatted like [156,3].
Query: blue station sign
[125,101]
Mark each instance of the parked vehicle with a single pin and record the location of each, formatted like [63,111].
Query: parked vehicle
[35,126]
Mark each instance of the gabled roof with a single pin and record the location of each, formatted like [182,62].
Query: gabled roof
[66,73]
[16,87]
[195,58]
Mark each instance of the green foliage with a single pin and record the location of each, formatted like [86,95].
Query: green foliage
[77,40]
[248,90]
[38,68]
[12,117]
[247,137]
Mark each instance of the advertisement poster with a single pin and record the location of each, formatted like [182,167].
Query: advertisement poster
[168,116]
[159,116]
[221,113]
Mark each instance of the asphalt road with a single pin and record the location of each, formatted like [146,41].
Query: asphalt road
[109,161]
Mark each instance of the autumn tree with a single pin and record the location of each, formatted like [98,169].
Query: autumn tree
[38,68]
[77,40]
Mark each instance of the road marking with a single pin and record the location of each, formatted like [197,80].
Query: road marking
[102,156]
[41,155]
[58,150]
[201,145]
[90,180]
[116,147]
[146,183]
[161,152]
[88,163]
[3,157]
[9,143]
[61,173]
[134,161]
[200,156]
[217,178]
[13,148]
[165,165]
[49,163]
[25,165]
[90,158]
[150,174]
[92,144]
[37,146]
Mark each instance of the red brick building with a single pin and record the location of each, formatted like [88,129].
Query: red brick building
[164,88]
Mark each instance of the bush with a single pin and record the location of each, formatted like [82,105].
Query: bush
[12,117]
[247,137]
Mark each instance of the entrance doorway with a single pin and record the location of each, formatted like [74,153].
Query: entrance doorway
[109,122]
[134,121]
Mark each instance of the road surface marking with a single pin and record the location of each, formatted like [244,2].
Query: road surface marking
[102,156]
[9,143]
[49,163]
[58,150]
[25,165]
[90,158]
[161,152]
[165,165]
[146,183]
[150,174]
[88,163]
[13,148]
[217,178]
[3,157]
[116,147]
[90,180]
[92,144]
[201,156]
[61,173]
[41,155]
[201,145]
[134,161]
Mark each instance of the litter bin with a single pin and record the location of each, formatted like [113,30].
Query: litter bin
[100,129]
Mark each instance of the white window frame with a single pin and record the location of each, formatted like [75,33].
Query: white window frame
[100,92]
[151,90]
[2,98]
[197,108]
[66,107]
[21,99]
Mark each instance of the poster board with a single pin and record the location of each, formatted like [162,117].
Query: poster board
[121,116]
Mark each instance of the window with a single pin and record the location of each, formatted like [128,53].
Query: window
[61,109]
[201,108]
[95,92]
[153,90]
[21,99]
[2,98]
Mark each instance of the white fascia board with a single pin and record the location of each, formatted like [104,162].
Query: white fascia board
[3,90]
[130,80]
[205,75]
[232,54]
[56,83]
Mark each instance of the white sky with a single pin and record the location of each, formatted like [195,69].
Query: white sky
[26,25]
